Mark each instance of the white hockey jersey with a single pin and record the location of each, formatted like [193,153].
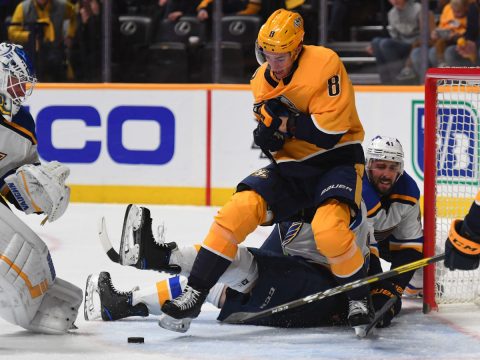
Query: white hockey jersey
[18,145]
[397,214]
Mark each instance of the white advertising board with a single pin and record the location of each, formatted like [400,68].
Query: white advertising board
[194,143]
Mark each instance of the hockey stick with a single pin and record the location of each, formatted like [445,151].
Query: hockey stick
[106,243]
[241,317]
[379,315]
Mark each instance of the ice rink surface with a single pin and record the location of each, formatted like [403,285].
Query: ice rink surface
[452,333]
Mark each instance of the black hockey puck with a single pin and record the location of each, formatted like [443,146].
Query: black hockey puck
[136,340]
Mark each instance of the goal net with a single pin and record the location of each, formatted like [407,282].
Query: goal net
[451,176]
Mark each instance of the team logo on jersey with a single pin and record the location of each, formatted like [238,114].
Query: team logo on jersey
[262,173]
[292,233]
[2,156]
[457,139]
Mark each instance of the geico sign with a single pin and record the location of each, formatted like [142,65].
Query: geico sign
[115,120]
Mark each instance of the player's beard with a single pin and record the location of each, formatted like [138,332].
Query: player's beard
[384,185]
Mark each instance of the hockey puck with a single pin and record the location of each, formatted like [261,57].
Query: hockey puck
[136,340]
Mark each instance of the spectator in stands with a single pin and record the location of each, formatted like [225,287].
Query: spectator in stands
[86,50]
[464,52]
[452,26]
[404,28]
[175,9]
[6,10]
[237,7]
[42,34]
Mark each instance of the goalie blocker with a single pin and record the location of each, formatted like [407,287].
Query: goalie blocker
[30,294]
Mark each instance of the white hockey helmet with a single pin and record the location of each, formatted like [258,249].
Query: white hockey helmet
[384,148]
[17,78]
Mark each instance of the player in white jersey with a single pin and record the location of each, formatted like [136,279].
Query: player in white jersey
[31,295]
[392,199]
[257,279]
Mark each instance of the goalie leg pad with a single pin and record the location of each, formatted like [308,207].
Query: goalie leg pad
[30,295]
[25,277]
[58,310]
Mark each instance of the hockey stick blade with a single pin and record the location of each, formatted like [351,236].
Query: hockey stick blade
[242,317]
[379,315]
[106,243]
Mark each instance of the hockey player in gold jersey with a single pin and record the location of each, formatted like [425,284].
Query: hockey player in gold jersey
[308,126]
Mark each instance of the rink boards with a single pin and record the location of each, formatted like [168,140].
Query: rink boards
[184,144]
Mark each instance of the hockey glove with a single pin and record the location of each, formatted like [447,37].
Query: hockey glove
[462,249]
[41,188]
[269,113]
[267,138]
[381,292]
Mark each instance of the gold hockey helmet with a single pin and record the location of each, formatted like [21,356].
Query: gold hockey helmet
[282,33]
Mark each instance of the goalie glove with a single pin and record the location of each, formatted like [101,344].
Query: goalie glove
[41,188]
[462,248]
[381,292]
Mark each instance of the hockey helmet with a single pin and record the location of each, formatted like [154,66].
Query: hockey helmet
[283,32]
[384,148]
[17,78]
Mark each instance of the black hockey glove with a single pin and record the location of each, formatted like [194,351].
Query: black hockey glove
[266,135]
[462,250]
[267,138]
[381,292]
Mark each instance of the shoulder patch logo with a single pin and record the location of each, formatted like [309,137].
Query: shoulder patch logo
[2,156]
[262,173]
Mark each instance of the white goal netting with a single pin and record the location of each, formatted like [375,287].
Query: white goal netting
[457,179]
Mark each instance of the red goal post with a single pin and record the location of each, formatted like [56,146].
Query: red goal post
[451,176]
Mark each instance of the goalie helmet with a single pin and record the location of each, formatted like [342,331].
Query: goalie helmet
[17,78]
[384,148]
[282,33]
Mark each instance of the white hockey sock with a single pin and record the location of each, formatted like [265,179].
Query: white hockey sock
[242,273]
[215,294]
[184,257]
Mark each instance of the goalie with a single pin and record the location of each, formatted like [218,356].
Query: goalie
[31,295]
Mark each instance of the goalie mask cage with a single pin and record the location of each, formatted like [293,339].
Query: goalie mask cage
[451,176]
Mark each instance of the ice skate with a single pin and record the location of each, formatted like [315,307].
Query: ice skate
[179,325]
[139,248]
[116,304]
[179,312]
[414,289]
[360,315]
[91,303]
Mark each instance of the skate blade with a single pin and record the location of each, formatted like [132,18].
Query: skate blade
[172,324]
[90,311]
[361,331]
[129,251]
